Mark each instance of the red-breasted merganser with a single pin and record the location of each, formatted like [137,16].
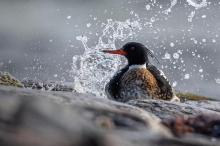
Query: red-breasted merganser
[138,79]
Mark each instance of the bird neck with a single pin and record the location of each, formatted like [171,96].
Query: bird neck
[137,66]
[137,60]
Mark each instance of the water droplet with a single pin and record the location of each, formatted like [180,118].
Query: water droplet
[167,56]
[217,81]
[203,16]
[88,25]
[186,76]
[201,70]
[174,84]
[176,55]
[191,15]
[68,17]
[194,40]
[172,44]
[147,7]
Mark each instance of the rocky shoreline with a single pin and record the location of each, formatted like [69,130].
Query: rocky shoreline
[64,117]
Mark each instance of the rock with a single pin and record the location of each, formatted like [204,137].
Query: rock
[191,96]
[207,104]
[31,117]
[47,85]
[167,110]
[208,125]
[7,79]
[46,118]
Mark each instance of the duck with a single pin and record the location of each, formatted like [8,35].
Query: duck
[139,79]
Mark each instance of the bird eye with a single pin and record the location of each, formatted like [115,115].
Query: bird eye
[132,48]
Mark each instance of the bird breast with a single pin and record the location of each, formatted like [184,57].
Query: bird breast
[138,83]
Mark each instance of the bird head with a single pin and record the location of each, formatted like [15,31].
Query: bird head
[136,53]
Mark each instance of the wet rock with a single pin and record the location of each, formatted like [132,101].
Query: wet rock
[7,79]
[208,125]
[48,85]
[167,110]
[207,104]
[35,117]
[31,117]
[192,97]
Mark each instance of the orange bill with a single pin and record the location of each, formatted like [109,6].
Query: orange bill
[119,51]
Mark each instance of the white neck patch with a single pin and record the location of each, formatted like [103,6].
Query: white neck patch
[137,66]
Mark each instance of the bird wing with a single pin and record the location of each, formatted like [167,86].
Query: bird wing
[162,80]
[113,86]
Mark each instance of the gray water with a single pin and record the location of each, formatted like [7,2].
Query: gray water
[38,39]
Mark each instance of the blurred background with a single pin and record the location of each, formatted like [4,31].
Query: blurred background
[38,38]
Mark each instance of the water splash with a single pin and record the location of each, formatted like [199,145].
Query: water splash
[190,17]
[197,4]
[172,4]
[93,69]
